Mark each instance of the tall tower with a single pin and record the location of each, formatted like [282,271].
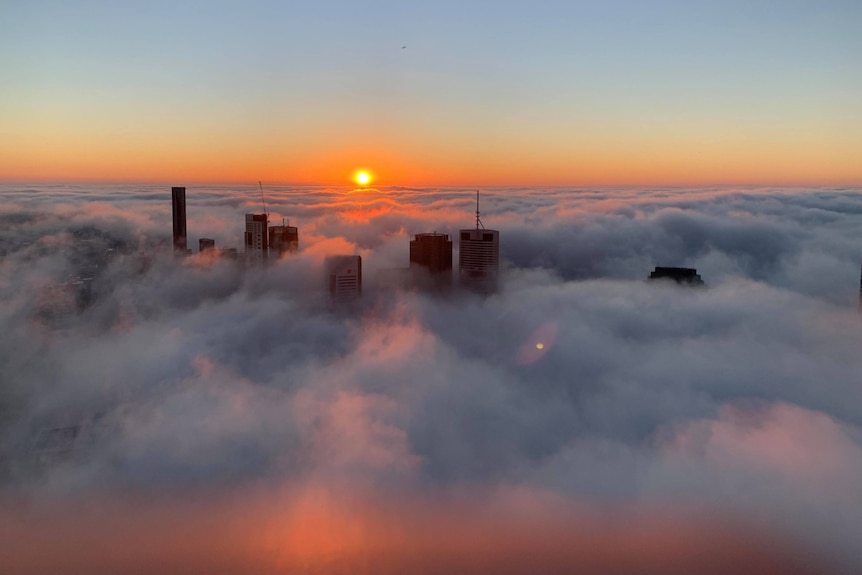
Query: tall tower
[344,275]
[860,291]
[432,254]
[255,237]
[178,203]
[479,256]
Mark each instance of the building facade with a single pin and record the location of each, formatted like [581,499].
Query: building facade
[256,241]
[344,277]
[283,239]
[431,259]
[479,259]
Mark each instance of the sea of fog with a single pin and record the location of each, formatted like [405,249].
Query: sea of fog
[192,415]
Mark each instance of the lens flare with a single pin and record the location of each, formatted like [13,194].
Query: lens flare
[538,344]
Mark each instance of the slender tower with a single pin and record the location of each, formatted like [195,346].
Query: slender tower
[178,201]
[860,291]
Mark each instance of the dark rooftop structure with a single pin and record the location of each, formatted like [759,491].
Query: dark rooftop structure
[205,244]
[682,276]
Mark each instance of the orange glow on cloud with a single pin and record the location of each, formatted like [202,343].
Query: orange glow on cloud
[314,529]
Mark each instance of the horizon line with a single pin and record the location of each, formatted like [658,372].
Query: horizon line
[472,186]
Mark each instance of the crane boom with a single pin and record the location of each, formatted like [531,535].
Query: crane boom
[263,199]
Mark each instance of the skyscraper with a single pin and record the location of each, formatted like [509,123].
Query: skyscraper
[283,239]
[479,256]
[344,275]
[431,255]
[255,237]
[178,203]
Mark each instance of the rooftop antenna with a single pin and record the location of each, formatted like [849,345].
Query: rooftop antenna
[263,199]
[478,221]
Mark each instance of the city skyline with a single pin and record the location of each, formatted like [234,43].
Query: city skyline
[559,93]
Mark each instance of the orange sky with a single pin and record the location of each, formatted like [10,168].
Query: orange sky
[581,94]
[619,160]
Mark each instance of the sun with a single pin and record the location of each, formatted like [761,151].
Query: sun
[362,177]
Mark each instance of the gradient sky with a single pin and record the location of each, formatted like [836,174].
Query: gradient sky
[487,93]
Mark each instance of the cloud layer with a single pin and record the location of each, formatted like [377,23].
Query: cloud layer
[579,415]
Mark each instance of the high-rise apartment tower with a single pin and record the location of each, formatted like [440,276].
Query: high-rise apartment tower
[255,237]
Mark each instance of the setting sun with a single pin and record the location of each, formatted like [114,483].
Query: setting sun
[362,177]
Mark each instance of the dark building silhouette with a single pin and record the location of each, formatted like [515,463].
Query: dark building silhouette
[178,202]
[432,251]
[479,256]
[344,277]
[256,241]
[682,276]
[283,239]
[431,259]
[205,244]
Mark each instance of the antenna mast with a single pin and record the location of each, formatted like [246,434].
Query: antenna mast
[263,199]
[478,221]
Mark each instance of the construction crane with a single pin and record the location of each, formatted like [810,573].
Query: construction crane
[263,200]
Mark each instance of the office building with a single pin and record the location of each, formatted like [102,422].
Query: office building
[479,256]
[283,239]
[344,277]
[178,203]
[682,276]
[432,251]
[206,244]
[431,259]
[255,238]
